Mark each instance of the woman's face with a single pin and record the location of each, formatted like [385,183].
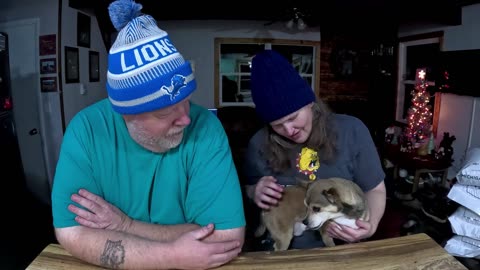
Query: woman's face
[296,126]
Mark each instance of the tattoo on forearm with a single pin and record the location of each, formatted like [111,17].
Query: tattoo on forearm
[113,254]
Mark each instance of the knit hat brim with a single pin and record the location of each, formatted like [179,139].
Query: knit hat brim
[164,92]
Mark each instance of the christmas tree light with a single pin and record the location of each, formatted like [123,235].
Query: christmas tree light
[419,114]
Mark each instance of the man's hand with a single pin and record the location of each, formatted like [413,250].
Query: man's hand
[99,214]
[193,253]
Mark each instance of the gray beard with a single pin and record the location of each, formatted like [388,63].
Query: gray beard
[155,144]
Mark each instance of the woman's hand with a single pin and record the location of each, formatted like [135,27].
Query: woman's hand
[98,213]
[349,234]
[376,199]
[267,192]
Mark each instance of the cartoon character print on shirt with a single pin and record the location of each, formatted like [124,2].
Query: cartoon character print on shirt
[308,162]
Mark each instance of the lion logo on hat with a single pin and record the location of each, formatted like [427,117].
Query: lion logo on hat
[177,83]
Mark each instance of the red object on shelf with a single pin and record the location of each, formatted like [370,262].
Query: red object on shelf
[7,103]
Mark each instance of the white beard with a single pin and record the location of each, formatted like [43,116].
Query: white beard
[155,144]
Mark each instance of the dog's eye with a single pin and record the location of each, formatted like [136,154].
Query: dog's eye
[316,209]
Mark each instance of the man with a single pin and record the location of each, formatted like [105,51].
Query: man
[145,178]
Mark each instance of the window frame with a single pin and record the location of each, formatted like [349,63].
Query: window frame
[267,43]
[404,43]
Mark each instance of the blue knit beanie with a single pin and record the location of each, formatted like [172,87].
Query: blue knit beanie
[145,70]
[277,88]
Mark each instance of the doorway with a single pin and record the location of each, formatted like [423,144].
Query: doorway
[24,75]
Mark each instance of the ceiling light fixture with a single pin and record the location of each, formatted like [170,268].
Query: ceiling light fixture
[298,19]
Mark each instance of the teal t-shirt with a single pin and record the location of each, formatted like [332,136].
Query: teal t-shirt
[195,182]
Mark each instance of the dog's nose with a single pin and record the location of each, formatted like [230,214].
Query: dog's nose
[305,222]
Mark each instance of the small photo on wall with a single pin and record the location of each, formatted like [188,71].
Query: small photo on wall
[72,65]
[48,84]
[48,65]
[48,44]
[83,30]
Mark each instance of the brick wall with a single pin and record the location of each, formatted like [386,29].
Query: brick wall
[366,93]
[336,88]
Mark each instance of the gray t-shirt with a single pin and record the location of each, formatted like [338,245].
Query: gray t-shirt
[356,159]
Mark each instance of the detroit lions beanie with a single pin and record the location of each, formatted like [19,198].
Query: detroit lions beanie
[277,88]
[145,70]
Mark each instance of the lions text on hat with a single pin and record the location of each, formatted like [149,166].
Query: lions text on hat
[145,54]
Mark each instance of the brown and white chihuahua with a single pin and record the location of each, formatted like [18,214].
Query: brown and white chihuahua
[311,206]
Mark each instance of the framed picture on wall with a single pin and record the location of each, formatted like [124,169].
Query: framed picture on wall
[72,65]
[48,84]
[83,30]
[93,66]
[48,65]
[48,44]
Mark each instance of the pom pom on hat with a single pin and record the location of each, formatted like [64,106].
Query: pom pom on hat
[145,70]
[122,12]
[277,88]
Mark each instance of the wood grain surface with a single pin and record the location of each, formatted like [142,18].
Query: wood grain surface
[417,251]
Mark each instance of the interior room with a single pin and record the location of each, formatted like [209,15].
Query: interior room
[362,58]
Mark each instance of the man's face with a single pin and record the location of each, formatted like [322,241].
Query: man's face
[160,130]
[296,126]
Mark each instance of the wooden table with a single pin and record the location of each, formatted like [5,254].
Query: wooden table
[417,251]
[413,162]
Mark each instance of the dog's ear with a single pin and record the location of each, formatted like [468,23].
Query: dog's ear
[353,211]
[332,195]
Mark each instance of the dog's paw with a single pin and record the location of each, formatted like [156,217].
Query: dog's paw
[299,228]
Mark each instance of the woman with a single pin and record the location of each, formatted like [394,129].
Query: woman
[303,139]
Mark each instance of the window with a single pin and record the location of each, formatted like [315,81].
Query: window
[233,60]
[421,51]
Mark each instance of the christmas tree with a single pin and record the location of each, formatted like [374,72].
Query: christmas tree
[419,114]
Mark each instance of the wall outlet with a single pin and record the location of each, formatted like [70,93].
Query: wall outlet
[83,89]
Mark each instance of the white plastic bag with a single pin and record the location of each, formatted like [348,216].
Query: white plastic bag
[462,246]
[465,223]
[468,196]
[470,172]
